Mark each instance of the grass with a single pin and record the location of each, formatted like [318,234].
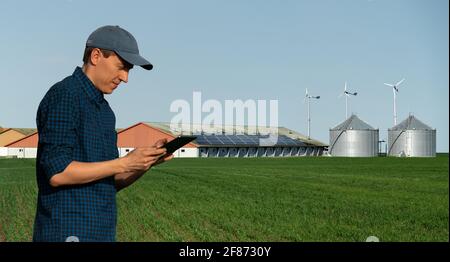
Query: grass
[262,199]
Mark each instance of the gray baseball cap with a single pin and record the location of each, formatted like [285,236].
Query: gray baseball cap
[121,42]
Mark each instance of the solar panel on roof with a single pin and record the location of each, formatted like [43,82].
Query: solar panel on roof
[227,140]
[214,139]
[247,140]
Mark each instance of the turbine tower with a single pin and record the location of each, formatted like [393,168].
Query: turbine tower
[395,90]
[347,94]
[307,96]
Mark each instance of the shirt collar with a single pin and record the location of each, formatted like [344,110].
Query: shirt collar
[92,92]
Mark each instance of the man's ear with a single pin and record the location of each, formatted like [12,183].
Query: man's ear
[95,56]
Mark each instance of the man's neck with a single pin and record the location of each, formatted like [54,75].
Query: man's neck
[88,73]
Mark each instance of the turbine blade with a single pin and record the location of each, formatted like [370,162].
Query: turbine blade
[401,81]
[389,85]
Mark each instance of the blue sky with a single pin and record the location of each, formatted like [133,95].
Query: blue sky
[242,49]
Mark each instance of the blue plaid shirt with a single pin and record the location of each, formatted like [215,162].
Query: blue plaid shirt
[75,123]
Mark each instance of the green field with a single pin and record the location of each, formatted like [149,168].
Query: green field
[262,199]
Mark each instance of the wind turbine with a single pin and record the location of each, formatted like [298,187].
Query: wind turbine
[347,94]
[307,96]
[395,90]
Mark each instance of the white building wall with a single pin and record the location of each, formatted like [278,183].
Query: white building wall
[194,152]
[30,152]
[182,152]
[123,151]
[17,152]
[22,152]
[3,151]
[186,152]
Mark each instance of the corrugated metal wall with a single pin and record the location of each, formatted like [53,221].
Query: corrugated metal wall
[354,143]
[412,143]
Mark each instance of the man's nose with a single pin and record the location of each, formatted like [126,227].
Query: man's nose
[124,76]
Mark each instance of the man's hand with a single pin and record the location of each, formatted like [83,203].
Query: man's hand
[160,144]
[138,161]
[141,159]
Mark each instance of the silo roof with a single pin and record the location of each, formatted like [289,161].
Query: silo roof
[353,123]
[411,123]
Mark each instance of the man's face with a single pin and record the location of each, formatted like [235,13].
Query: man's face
[110,72]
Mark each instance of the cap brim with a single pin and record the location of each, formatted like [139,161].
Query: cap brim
[135,59]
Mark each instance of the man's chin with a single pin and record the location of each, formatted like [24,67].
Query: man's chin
[108,92]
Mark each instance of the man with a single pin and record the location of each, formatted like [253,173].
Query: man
[77,167]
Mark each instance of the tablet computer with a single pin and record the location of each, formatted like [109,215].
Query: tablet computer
[177,143]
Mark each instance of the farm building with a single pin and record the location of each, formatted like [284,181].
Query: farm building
[25,147]
[9,135]
[145,134]
[229,141]
[412,138]
[353,138]
[246,141]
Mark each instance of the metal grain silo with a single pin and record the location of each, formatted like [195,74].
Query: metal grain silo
[412,138]
[353,138]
